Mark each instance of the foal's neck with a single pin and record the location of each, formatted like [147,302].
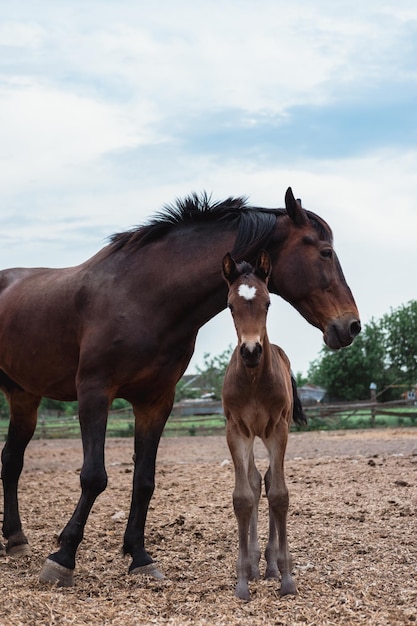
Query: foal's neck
[256,374]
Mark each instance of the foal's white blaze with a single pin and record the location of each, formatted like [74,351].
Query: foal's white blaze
[247,292]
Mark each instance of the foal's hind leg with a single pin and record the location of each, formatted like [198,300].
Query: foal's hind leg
[277,552]
[23,417]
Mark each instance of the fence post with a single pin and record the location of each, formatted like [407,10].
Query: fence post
[372,388]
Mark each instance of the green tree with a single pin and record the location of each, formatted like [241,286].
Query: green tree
[340,373]
[300,379]
[347,373]
[213,371]
[400,326]
[4,407]
[183,391]
[384,353]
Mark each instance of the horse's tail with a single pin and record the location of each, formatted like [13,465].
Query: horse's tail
[298,415]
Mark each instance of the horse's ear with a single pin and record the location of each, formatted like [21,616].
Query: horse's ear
[294,209]
[263,266]
[229,268]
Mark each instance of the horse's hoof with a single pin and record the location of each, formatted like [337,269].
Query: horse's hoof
[52,572]
[148,570]
[21,549]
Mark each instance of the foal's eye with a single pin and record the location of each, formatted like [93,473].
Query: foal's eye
[230,306]
[326,253]
[268,304]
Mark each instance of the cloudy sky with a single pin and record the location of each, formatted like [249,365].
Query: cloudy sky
[110,109]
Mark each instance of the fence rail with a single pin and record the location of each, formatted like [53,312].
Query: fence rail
[343,413]
[208,419]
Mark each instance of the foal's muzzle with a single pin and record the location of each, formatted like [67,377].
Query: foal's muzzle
[251,353]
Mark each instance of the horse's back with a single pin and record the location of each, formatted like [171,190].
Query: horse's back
[12,275]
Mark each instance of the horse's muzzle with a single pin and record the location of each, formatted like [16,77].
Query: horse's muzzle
[251,353]
[342,331]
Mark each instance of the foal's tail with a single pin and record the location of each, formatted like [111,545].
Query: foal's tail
[298,415]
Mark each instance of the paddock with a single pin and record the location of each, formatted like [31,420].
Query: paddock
[351,525]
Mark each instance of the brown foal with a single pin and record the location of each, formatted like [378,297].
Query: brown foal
[258,402]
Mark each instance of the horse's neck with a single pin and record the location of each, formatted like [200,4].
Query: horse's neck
[189,280]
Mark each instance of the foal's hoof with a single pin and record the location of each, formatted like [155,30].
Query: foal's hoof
[271,572]
[53,572]
[242,591]
[288,586]
[21,549]
[148,570]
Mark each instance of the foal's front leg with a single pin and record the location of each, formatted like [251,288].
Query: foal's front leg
[243,504]
[277,552]
[255,480]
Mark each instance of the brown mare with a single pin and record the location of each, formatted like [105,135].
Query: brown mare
[258,402]
[124,324]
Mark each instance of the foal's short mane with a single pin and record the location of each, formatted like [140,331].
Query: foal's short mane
[254,225]
[244,269]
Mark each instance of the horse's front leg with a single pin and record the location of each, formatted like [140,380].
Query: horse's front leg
[23,417]
[244,505]
[277,552]
[93,411]
[149,425]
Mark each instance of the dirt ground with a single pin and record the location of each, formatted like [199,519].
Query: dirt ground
[352,532]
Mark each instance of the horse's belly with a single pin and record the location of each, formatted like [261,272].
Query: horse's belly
[40,364]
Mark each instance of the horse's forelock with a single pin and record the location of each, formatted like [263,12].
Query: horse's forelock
[323,229]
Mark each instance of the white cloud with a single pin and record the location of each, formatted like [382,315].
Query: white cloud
[83,85]
[44,131]
[17,34]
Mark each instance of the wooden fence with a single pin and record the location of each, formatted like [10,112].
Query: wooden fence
[341,415]
[206,418]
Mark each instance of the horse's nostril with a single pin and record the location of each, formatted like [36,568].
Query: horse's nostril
[355,328]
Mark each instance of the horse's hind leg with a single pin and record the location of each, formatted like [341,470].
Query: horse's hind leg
[23,417]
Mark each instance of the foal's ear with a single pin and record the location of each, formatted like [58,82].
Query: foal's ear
[294,209]
[263,266]
[230,272]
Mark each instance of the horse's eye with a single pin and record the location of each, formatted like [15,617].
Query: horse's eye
[230,306]
[326,253]
[268,304]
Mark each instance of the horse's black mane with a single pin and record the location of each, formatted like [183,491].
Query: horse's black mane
[254,225]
